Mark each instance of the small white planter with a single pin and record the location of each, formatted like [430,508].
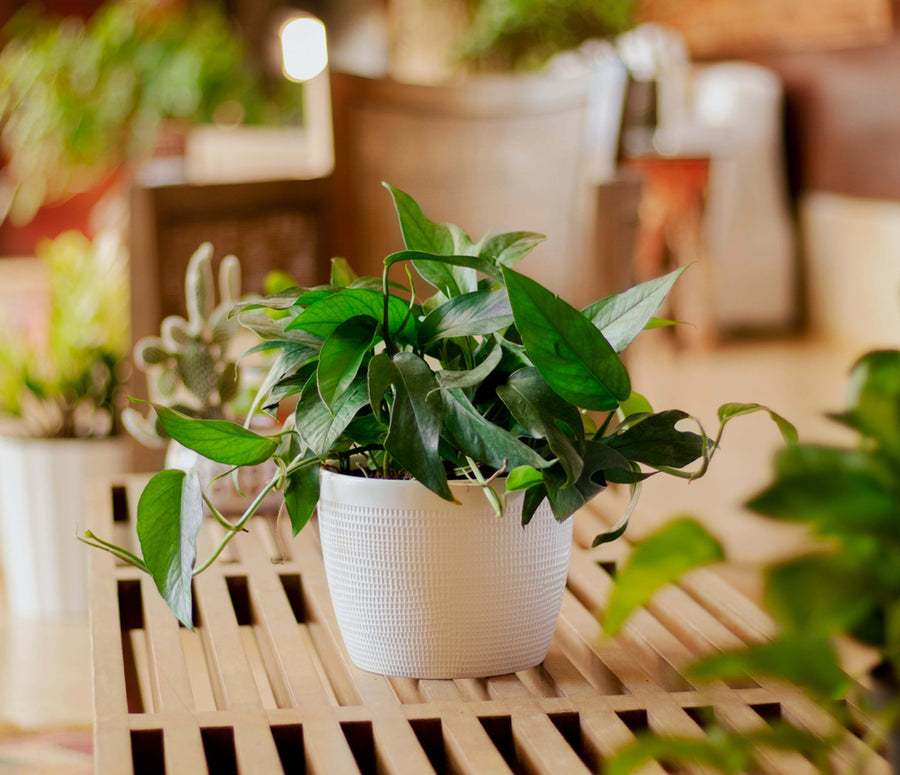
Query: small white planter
[44,485]
[424,588]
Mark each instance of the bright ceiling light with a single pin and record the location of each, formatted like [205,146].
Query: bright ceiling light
[303,48]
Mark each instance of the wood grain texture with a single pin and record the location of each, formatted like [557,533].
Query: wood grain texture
[286,698]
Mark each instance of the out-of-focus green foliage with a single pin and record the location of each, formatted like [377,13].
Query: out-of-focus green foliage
[65,385]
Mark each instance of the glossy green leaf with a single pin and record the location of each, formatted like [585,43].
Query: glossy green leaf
[169,514]
[510,248]
[449,380]
[523,478]
[415,424]
[301,494]
[321,318]
[219,440]
[873,399]
[534,496]
[343,352]
[472,314]
[421,234]
[660,559]
[656,441]
[635,404]
[569,352]
[622,317]
[481,439]
[807,661]
[319,426]
[543,415]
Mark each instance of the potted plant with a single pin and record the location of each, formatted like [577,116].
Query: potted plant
[58,391]
[486,390]
[846,588]
[80,100]
[192,367]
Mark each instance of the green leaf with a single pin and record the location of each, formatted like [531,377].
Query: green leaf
[821,594]
[534,496]
[622,317]
[874,399]
[343,352]
[807,661]
[415,425]
[169,514]
[655,441]
[838,491]
[319,426]
[729,411]
[541,412]
[449,263]
[421,234]
[510,248]
[219,440]
[342,275]
[481,439]
[635,404]
[472,314]
[323,317]
[658,560]
[570,353]
[450,380]
[523,478]
[301,494]
[293,355]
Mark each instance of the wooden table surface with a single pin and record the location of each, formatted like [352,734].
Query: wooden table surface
[263,684]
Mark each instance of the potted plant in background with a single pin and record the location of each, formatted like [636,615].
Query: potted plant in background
[81,100]
[192,367]
[846,587]
[482,391]
[58,390]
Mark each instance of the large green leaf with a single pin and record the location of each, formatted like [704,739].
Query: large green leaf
[510,248]
[343,352]
[656,441]
[481,439]
[219,440]
[415,425]
[660,559]
[622,317]
[421,234]
[472,314]
[838,491]
[804,660]
[319,426]
[570,353]
[169,514]
[543,414]
[321,318]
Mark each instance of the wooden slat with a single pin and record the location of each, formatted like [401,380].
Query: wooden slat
[266,679]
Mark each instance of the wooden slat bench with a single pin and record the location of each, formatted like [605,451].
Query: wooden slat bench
[263,684]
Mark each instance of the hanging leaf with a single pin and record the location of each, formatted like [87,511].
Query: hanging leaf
[569,352]
[169,514]
[318,425]
[301,494]
[219,440]
[655,441]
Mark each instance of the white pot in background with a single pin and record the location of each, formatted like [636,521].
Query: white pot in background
[424,588]
[44,485]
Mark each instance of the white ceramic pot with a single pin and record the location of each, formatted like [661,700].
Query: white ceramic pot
[221,491]
[44,485]
[424,588]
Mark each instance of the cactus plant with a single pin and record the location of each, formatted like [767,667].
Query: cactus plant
[188,365]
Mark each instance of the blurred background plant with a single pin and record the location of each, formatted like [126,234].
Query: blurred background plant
[79,99]
[524,34]
[63,382]
[191,366]
[845,591]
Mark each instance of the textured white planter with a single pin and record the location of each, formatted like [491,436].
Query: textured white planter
[44,485]
[424,588]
